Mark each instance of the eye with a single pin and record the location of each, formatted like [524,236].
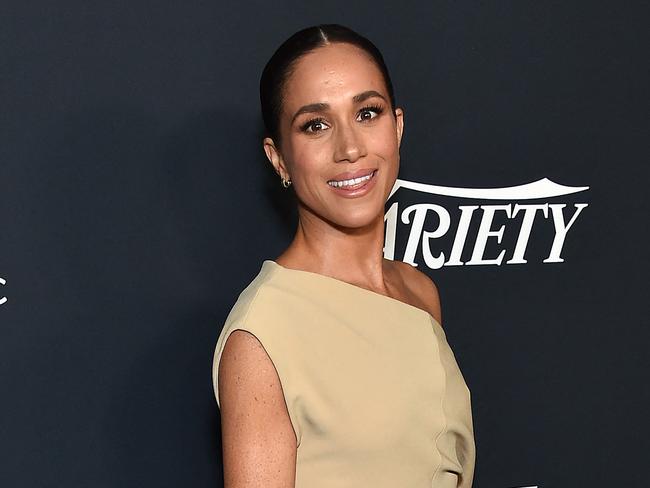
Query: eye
[368,110]
[318,124]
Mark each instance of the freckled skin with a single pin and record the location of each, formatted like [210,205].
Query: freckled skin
[259,444]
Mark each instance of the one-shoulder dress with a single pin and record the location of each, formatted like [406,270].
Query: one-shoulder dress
[373,390]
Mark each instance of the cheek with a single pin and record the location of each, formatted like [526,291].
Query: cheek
[383,142]
[309,159]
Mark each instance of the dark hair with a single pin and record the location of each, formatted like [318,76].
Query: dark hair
[282,63]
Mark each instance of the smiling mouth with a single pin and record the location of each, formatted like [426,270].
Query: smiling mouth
[352,183]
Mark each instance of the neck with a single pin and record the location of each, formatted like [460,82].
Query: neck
[354,255]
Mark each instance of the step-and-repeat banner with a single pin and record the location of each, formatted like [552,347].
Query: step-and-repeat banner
[136,203]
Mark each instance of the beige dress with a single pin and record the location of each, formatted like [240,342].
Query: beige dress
[373,390]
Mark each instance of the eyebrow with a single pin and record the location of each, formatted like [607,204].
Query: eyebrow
[321,107]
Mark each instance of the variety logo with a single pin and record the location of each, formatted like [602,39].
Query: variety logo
[453,226]
[3,300]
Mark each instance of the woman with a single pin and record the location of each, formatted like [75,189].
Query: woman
[332,369]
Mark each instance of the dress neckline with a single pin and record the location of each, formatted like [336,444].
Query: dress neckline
[337,281]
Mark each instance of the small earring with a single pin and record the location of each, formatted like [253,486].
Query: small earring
[286,183]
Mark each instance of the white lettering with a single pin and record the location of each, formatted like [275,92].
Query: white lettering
[484,233]
[561,230]
[420,211]
[524,232]
[422,240]
[461,235]
[3,300]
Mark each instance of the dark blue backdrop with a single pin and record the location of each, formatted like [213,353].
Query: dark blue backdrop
[136,203]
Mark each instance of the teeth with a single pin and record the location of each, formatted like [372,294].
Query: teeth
[352,181]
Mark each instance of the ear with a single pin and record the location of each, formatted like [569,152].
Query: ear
[399,119]
[275,158]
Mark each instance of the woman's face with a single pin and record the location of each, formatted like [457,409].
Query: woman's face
[336,124]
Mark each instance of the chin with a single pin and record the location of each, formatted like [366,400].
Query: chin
[358,220]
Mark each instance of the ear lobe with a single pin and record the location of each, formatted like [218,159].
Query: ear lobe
[273,155]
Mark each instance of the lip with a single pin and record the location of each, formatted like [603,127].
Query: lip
[357,191]
[353,174]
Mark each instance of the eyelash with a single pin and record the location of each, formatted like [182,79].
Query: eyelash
[375,108]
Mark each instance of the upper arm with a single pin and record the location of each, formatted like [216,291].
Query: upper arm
[259,443]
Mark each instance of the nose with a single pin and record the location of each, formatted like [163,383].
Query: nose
[349,144]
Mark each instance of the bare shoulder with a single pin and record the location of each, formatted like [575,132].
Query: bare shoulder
[258,440]
[422,288]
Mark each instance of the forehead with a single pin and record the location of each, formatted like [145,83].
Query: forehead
[332,73]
